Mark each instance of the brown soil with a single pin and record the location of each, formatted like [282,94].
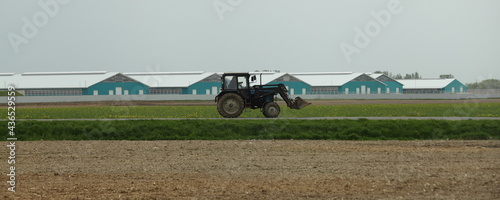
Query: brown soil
[256,170]
[212,103]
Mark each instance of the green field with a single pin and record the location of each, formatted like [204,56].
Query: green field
[187,129]
[361,129]
[377,110]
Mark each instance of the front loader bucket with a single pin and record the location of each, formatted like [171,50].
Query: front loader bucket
[299,103]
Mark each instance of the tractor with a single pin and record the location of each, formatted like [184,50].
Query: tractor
[237,94]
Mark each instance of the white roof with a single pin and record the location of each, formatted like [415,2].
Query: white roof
[375,76]
[266,77]
[169,79]
[424,83]
[326,78]
[40,80]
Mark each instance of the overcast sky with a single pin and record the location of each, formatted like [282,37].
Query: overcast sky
[433,37]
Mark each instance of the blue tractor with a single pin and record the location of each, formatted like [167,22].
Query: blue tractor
[237,94]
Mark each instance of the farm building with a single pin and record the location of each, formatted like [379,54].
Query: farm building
[330,83]
[209,83]
[73,83]
[392,85]
[432,86]
[196,82]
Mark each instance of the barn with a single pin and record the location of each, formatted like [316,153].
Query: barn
[73,83]
[195,82]
[392,85]
[294,85]
[432,85]
[338,83]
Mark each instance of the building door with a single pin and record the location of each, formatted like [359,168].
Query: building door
[194,91]
[346,90]
[388,90]
[125,92]
[292,91]
[111,92]
[141,92]
[363,89]
[379,90]
[368,90]
[461,89]
[207,91]
[357,90]
[215,90]
[397,90]
[304,91]
[96,92]
[118,90]
[452,89]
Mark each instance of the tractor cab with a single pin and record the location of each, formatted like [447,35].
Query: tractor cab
[238,83]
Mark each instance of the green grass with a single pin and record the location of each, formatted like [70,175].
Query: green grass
[361,129]
[377,110]
[6,93]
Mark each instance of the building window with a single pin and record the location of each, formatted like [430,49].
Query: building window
[324,90]
[69,92]
[165,91]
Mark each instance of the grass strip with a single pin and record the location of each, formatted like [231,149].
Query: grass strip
[375,110]
[361,129]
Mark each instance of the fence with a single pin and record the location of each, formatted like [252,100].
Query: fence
[483,91]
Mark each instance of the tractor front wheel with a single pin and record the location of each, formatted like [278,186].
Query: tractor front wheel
[230,105]
[271,110]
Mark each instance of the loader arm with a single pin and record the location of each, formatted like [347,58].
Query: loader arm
[296,103]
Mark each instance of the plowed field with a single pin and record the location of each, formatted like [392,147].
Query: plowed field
[254,169]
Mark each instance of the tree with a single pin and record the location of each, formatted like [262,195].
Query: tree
[446,76]
[485,84]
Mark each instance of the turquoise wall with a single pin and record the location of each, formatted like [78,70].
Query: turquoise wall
[201,88]
[455,84]
[392,85]
[296,85]
[352,85]
[103,88]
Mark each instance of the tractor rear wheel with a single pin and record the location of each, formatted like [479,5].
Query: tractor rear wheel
[230,105]
[271,110]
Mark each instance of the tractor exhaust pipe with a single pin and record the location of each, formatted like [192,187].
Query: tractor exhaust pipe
[299,103]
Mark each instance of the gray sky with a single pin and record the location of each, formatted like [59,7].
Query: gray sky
[433,37]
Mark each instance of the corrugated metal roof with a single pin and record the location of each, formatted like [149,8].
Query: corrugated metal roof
[326,78]
[169,79]
[424,83]
[64,73]
[41,80]
[375,75]
[266,77]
